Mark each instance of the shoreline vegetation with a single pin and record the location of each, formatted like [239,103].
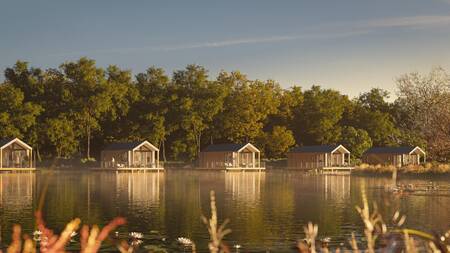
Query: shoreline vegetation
[430,168]
[379,235]
[422,169]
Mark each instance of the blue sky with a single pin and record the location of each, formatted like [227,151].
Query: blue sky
[349,45]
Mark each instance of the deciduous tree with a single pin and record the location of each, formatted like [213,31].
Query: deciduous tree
[424,105]
[91,96]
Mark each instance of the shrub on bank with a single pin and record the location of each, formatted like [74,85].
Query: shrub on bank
[427,168]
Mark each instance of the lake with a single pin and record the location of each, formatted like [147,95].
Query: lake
[267,210]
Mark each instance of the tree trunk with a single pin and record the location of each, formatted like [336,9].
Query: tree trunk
[164,150]
[38,154]
[198,140]
[88,153]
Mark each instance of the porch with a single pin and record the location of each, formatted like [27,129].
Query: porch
[131,156]
[246,158]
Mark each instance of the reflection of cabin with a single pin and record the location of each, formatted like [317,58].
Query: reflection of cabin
[231,156]
[15,154]
[397,156]
[131,155]
[317,157]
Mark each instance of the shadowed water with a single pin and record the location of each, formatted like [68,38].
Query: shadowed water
[267,210]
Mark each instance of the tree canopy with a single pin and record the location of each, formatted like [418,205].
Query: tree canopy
[77,108]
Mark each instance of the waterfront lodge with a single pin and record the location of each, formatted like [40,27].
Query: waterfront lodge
[139,155]
[231,157]
[15,155]
[396,156]
[318,157]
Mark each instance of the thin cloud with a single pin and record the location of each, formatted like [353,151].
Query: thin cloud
[227,43]
[224,43]
[415,21]
[321,32]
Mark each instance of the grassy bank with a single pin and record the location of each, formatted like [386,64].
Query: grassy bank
[427,168]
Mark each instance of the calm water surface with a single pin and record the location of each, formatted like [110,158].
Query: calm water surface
[267,210]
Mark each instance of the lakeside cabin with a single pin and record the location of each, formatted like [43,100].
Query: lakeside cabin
[318,157]
[141,155]
[15,155]
[231,157]
[396,156]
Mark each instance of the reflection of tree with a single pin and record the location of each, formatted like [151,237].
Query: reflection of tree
[184,213]
[424,210]
[245,211]
[280,204]
[333,206]
[245,186]
[140,197]
[70,195]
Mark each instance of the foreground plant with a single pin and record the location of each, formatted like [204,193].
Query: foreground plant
[216,232]
[379,238]
[91,240]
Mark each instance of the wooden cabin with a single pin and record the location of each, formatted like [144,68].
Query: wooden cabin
[130,155]
[318,157]
[231,156]
[15,155]
[397,156]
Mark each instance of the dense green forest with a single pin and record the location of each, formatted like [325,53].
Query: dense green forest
[74,110]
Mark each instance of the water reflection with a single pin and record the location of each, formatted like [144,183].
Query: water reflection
[17,190]
[267,209]
[17,193]
[141,190]
[245,186]
[337,187]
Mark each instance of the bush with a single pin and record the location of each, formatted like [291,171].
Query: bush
[427,168]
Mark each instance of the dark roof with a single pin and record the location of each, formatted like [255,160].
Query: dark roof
[4,141]
[223,147]
[390,150]
[123,145]
[315,149]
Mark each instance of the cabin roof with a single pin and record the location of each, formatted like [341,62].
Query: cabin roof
[128,145]
[317,149]
[229,147]
[123,145]
[392,150]
[5,141]
[223,147]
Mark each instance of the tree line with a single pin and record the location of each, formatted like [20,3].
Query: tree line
[77,108]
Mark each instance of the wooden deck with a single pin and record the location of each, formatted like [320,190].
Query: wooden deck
[245,168]
[18,169]
[126,169]
[336,170]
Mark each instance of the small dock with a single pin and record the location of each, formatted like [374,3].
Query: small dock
[245,169]
[127,169]
[336,170]
[18,169]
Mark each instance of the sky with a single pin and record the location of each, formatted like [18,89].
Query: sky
[348,45]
